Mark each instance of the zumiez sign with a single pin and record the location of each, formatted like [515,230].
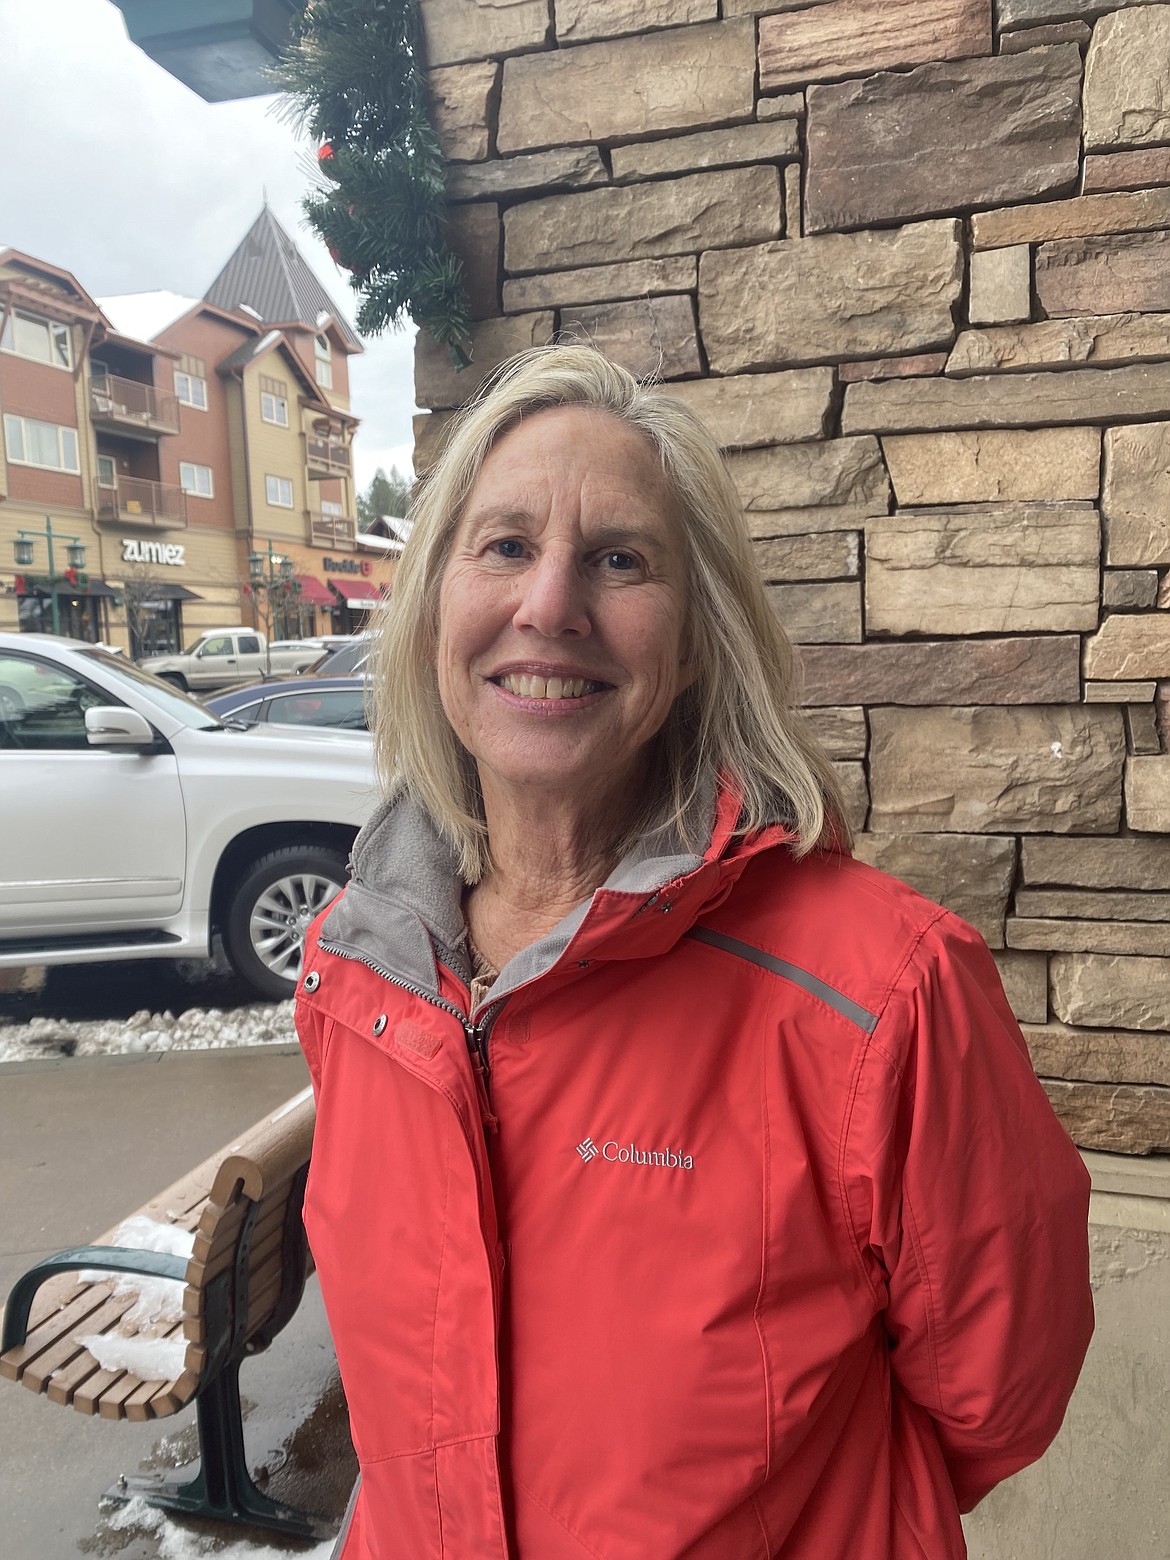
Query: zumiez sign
[630,1154]
[172,553]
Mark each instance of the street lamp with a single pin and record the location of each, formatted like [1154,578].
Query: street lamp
[23,551]
[271,577]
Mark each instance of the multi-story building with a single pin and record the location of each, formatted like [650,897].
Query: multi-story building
[199,451]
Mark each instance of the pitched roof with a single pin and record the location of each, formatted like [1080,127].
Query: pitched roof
[269,276]
[144,315]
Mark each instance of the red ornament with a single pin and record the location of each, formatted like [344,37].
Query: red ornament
[324,152]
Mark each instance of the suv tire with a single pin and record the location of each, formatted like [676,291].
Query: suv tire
[270,909]
[176,680]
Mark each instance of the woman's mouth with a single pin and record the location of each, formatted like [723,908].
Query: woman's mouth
[529,685]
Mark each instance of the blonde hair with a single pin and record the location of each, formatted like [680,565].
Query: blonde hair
[737,718]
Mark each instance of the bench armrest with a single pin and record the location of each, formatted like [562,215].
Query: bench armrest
[117,1259]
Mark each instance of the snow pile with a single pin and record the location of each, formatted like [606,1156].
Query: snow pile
[160,1300]
[178,1543]
[153,1359]
[198,1029]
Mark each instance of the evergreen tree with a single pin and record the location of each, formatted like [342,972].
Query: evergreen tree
[386,495]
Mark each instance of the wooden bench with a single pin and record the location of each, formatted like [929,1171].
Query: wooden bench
[241,1285]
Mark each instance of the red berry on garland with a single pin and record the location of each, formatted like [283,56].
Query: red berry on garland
[324,152]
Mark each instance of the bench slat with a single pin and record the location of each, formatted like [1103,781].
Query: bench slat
[36,1374]
[138,1405]
[55,1326]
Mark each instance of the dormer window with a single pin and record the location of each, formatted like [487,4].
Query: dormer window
[44,341]
[323,352]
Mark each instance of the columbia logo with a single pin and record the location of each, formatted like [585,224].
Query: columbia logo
[631,1154]
[588,1150]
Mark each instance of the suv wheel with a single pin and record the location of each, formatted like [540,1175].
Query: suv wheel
[270,910]
[176,680]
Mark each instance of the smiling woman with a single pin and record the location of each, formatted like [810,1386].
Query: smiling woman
[635,1194]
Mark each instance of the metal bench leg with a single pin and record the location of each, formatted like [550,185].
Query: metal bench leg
[223,1488]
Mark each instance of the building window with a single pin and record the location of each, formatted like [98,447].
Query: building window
[280,492]
[323,351]
[329,507]
[274,401]
[191,389]
[45,341]
[42,444]
[196,480]
[107,471]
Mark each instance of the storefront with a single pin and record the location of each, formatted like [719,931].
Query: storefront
[153,603]
[356,599]
[83,607]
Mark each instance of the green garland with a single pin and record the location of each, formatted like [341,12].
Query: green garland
[355,82]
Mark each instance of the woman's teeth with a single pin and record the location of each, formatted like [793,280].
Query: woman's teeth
[528,686]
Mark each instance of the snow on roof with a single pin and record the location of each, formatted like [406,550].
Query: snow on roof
[144,315]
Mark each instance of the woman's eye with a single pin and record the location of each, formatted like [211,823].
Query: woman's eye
[622,561]
[508,547]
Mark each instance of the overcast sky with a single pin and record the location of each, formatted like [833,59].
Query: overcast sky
[117,172]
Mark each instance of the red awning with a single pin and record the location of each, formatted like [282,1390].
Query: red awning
[313,593]
[357,593]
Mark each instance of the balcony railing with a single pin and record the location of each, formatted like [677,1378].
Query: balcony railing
[131,407]
[336,531]
[326,458]
[135,501]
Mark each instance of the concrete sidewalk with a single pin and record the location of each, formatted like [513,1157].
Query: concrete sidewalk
[83,1143]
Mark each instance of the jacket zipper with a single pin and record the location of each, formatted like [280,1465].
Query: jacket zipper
[476,1034]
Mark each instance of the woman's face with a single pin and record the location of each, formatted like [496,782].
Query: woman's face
[562,609]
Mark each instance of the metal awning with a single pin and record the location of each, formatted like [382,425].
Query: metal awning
[221,49]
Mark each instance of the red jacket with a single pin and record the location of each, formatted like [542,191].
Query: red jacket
[767,1244]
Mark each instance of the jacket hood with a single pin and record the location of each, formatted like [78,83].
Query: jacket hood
[403,908]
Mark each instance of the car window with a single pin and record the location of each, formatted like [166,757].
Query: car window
[249,644]
[42,706]
[345,660]
[220,645]
[342,707]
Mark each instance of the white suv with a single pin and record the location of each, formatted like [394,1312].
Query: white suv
[134,824]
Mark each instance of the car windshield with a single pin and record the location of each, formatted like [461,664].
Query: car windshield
[343,660]
[179,705]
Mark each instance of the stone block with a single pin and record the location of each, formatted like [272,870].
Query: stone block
[750,410]
[682,79]
[1039,669]
[473,235]
[1119,692]
[701,211]
[823,555]
[457,30]
[785,105]
[913,366]
[1137,938]
[1127,170]
[1130,647]
[857,37]
[793,200]
[1001,285]
[795,488]
[1029,13]
[773,141]
[855,295]
[1025,984]
[1143,865]
[431,430]
[943,137]
[1039,37]
[768,7]
[1009,400]
[1092,904]
[1127,79]
[970,874]
[980,569]
[600,283]
[1147,794]
[1096,1055]
[652,337]
[1084,216]
[1005,466]
[1135,497]
[1105,341]
[439,384]
[578,21]
[1130,590]
[1141,727]
[463,109]
[818,614]
[565,168]
[841,731]
[1113,1118]
[1110,991]
[1050,768]
[1105,275]
[855,789]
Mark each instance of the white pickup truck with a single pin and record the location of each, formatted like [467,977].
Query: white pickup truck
[134,824]
[221,656]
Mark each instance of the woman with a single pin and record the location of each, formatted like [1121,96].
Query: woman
[681,1187]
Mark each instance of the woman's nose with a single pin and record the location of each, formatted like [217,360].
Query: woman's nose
[553,597]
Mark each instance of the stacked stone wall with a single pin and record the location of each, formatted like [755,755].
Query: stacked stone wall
[911,261]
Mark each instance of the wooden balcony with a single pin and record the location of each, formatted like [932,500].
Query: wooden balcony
[135,501]
[326,458]
[336,531]
[128,407]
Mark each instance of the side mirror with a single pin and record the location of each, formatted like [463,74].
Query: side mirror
[114,725]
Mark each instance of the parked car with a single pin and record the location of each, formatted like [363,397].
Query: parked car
[225,655]
[294,701]
[344,659]
[135,824]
